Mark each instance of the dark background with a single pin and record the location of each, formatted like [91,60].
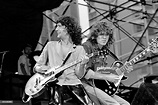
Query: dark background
[21,23]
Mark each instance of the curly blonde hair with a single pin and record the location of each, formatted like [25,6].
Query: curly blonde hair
[101,28]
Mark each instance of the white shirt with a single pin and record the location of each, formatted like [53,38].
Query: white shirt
[23,59]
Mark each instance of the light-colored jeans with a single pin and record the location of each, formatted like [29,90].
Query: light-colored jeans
[99,97]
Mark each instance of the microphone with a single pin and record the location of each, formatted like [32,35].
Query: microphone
[4,51]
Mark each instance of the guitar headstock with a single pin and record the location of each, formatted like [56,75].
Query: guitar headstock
[153,45]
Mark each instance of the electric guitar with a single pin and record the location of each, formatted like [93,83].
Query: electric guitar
[35,85]
[110,87]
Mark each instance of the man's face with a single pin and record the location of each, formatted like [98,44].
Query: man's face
[61,31]
[28,50]
[102,39]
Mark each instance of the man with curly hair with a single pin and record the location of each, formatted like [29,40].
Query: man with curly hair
[57,54]
[99,43]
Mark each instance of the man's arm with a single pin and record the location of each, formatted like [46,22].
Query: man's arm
[41,66]
[23,70]
[90,74]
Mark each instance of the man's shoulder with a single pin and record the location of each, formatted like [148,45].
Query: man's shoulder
[52,43]
[21,58]
[78,47]
[88,45]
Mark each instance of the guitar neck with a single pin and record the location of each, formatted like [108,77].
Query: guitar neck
[132,61]
[58,70]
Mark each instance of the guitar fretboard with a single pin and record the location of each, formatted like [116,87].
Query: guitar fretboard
[132,61]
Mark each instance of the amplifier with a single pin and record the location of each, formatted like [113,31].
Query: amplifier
[147,94]
[151,79]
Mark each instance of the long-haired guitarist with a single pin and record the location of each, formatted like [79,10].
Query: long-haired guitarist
[100,40]
[58,54]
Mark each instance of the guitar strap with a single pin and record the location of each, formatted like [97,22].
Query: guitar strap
[59,74]
[66,59]
[112,54]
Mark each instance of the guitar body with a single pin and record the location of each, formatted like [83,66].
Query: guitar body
[31,85]
[108,87]
[35,86]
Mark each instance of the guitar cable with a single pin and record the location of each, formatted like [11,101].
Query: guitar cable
[93,86]
[96,92]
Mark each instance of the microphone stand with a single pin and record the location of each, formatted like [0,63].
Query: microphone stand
[1,66]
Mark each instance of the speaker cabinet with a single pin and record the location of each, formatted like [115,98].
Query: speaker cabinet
[147,94]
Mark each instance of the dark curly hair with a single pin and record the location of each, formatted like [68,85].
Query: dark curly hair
[73,28]
[101,28]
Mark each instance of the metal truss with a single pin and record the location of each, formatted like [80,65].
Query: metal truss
[111,15]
